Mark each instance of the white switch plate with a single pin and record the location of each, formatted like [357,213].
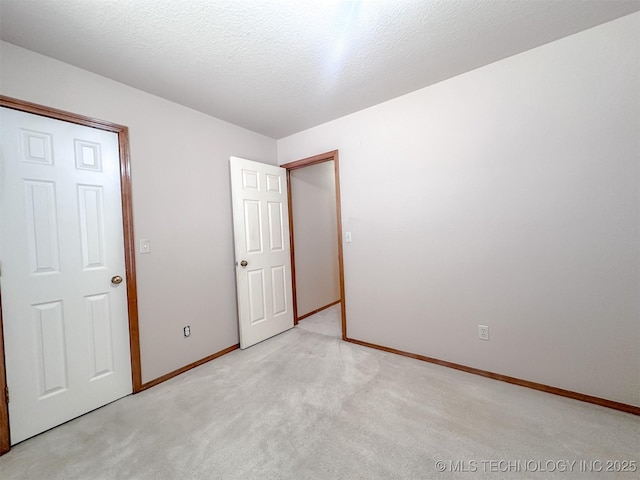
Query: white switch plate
[145,245]
[347,237]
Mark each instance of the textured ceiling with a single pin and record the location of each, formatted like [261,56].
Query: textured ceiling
[281,66]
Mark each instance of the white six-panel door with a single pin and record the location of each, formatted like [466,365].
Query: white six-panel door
[61,242]
[261,230]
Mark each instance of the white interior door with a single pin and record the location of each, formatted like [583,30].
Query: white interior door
[263,261]
[66,328]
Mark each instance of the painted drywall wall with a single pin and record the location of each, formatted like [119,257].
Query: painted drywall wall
[315,229]
[509,197]
[181,202]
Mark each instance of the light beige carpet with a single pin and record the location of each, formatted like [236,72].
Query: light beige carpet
[305,405]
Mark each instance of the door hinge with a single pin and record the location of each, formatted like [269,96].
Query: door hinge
[6,393]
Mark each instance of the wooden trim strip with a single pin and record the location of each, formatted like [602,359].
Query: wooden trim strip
[292,253]
[318,310]
[195,364]
[43,111]
[5,436]
[305,162]
[623,407]
[336,165]
[129,257]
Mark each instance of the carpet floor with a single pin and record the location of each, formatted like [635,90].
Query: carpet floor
[305,405]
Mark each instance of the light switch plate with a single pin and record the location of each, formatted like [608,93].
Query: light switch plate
[347,237]
[145,245]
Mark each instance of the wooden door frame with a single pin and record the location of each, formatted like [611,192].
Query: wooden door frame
[129,248]
[306,162]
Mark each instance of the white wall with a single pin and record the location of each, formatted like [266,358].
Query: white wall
[313,198]
[507,196]
[181,201]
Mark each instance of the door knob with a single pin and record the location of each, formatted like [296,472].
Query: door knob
[116,280]
[243,263]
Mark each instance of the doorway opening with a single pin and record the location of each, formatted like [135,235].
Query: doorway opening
[317,275]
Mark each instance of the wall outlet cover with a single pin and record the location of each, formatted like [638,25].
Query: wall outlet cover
[483,332]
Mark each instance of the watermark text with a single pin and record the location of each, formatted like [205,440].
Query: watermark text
[536,466]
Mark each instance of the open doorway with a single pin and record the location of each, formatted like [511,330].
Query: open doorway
[316,236]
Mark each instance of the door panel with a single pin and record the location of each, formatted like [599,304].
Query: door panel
[279,287]
[90,207]
[276,226]
[99,318]
[66,326]
[42,226]
[52,365]
[261,228]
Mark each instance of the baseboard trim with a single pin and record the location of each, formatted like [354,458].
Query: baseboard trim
[624,407]
[195,364]
[317,310]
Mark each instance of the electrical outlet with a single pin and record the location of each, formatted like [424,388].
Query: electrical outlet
[187,331]
[483,332]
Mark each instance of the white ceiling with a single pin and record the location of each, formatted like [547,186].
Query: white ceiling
[281,66]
